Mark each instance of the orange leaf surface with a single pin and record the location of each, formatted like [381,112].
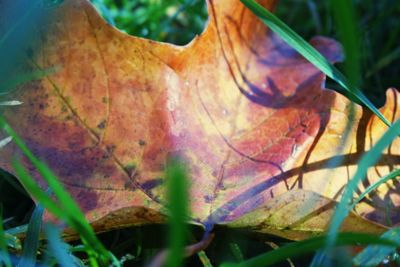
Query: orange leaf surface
[246,113]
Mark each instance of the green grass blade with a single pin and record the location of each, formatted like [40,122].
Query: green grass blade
[58,209]
[300,248]
[20,79]
[379,253]
[31,243]
[47,174]
[384,62]
[178,199]
[311,54]
[58,249]
[93,246]
[366,161]
[4,256]
[204,259]
[37,192]
[66,208]
[235,249]
[375,185]
[345,19]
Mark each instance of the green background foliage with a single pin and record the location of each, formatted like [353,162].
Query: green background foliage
[174,21]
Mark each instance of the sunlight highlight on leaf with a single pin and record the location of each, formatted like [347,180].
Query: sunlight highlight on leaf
[368,160]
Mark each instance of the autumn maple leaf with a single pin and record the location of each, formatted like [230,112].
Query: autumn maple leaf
[246,113]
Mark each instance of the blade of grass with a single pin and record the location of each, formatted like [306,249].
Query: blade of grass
[58,249]
[235,249]
[366,161]
[66,207]
[315,16]
[31,8]
[178,199]
[384,62]
[275,246]
[311,54]
[4,256]
[31,243]
[50,260]
[300,248]
[58,210]
[345,19]
[38,193]
[375,185]
[20,79]
[379,252]
[204,259]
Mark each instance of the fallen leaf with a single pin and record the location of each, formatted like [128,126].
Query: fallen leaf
[245,112]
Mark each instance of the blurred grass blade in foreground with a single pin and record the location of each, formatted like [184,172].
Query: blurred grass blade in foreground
[21,78]
[345,20]
[65,208]
[178,203]
[17,33]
